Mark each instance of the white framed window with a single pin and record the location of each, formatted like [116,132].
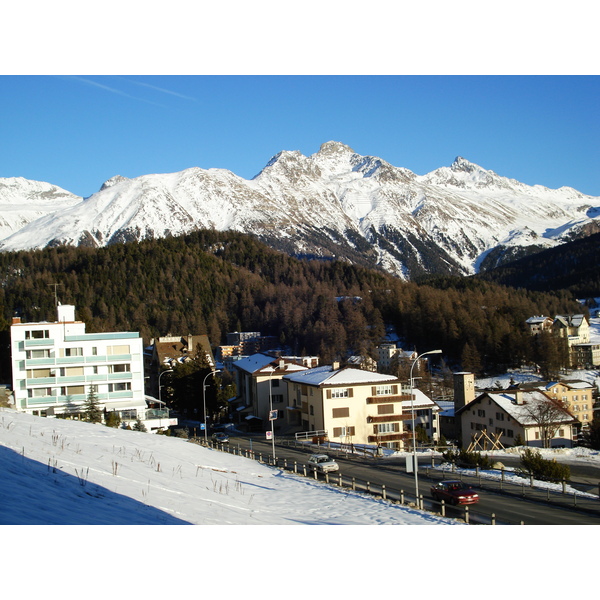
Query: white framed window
[339,393]
[385,428]
[384,390]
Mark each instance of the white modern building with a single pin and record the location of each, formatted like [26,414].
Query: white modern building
[56,364]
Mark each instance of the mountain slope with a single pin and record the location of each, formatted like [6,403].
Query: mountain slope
[332,204]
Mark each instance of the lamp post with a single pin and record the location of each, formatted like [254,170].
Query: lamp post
[204,403]
[414,435]
[272,369]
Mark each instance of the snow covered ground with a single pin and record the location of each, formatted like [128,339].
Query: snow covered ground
[59,472]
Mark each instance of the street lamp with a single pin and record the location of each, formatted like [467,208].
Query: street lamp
[204,403]
[414,435]
[272,370]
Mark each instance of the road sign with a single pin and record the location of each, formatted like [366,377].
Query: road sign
[269,435]
[272,415]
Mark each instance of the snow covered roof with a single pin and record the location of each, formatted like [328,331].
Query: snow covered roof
[327,375]
[420,401]
[253,363]
[519,412]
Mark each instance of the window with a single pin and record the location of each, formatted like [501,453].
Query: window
[39,392]
[37,373]
[343,431]
[480,412]
[561,432]
[339,393]
[37,334]
[500,416]
[42,353]
[340,412]
[73,351]
[276,382]
[119,387]
[385,428]
[277,398]
[111,350]
[119,368]
[384,390]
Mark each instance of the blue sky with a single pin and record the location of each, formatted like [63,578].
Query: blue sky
[78,131]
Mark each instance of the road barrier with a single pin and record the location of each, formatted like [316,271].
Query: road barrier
[338,479]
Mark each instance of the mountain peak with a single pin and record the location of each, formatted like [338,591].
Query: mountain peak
[335,148]
[462,164]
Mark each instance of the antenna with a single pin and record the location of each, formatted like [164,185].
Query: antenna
[55,292]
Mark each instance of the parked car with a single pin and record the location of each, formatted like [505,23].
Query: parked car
[454,492]
[219,437]
[322,463]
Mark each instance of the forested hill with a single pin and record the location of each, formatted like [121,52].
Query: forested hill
[572,266]
[215,282]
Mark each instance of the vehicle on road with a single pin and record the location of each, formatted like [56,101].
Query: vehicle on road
[322,463]
[220,437]
[454,492]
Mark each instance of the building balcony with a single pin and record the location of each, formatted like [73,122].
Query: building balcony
[388,399]
[388,418]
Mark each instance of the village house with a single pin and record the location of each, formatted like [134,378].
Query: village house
[539,324]
[574,328]
[507,418]
[578,398]
[350,406]
[57,364]
[260,389]
[168,351]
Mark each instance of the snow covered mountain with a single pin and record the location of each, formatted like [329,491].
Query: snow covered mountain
[334,203]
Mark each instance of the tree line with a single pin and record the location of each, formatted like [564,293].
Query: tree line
[210,282]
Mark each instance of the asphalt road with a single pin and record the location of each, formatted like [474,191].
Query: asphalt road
[505,503]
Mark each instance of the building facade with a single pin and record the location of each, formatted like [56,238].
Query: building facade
[56,364]
[350,406]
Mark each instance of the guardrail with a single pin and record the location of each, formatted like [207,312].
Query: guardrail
[399,496]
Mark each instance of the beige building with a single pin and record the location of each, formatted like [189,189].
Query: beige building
[577,397]
[506,417]
[352,406]
[260,388]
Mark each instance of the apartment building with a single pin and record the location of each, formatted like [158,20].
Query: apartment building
[56,364]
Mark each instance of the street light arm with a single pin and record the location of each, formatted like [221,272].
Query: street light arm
[414,433]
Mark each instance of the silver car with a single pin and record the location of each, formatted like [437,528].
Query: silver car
[323,463]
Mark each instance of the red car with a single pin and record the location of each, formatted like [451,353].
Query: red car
[454,492]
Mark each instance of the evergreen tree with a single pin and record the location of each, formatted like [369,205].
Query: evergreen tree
[91,407]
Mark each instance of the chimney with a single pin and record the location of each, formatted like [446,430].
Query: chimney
[281,364]
[16,320]
[335,366]
[519,396]
[464,389]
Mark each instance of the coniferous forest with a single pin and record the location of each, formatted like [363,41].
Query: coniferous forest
[212,283]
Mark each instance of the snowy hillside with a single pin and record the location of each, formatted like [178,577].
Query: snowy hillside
[71,473]
[334,203]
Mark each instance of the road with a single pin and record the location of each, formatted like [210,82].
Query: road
[505,502]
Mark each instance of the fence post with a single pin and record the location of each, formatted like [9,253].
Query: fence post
[564,486]
[354,483]
[295,467]
[383,491]
[493,518]
[368,486]
[304,468]
[326,477]
[443,508]
[401,496]
[467,515]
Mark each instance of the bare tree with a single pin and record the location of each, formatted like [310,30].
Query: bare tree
[549,415]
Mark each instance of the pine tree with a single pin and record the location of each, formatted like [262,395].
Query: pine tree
[91,407]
